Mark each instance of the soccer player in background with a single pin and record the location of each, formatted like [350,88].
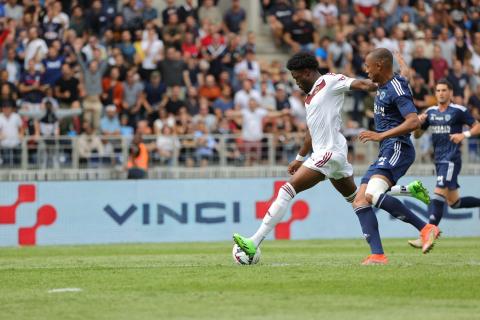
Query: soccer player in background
[325,98]
[446,122]
[395,118]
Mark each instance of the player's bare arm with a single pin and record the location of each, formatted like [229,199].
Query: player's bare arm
[304,151]
[411,123]
[419,132]
[363,85]
[459,137]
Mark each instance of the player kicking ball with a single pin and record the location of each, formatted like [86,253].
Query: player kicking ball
[325,98]
[446,123]
[395,118]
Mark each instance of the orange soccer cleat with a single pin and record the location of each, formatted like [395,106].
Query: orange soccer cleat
[375,259]
[429,234]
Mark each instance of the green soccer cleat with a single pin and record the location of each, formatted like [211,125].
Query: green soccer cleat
[418,191]
[245,244]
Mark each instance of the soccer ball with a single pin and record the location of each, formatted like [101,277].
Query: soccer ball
[240,257]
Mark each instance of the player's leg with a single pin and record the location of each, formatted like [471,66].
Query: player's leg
[347,188]
[369,224]
[453,197]
[377,196]
[303,179]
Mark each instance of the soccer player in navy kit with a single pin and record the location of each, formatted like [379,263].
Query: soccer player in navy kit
[446,122]
[395,118]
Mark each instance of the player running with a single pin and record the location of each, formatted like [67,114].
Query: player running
[446,123]
[395,118]
[325,98]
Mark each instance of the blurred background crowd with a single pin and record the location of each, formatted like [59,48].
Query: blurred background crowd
[175,79]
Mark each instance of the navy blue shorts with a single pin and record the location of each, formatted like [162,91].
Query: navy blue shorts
[393,162]
[447,174]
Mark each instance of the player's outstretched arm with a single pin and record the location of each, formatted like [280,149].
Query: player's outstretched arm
[363,85]
[410,124]
[420,131]
[474,131]
[304,151]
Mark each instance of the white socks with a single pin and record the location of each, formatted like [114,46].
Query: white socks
[399,191]
[275,213]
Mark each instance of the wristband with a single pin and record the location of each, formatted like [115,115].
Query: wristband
[467,134]
[300,158]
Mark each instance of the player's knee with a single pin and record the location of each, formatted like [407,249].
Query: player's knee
[375,188]
[454,204]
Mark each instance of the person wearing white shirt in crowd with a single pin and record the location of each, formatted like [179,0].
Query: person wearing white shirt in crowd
[36,48]
[380,41]
[249,65]
[322,9]
[11,133]
[152,48]
[245,94]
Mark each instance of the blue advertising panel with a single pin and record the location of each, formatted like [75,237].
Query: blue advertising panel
[87,212]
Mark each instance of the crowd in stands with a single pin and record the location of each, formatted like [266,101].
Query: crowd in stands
[100,68]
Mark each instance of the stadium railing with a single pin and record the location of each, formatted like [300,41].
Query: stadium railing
[209,155]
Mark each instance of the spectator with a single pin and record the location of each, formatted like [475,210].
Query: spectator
[340,54]
[366,7]
[173,69]
[281,98]
[234,19]
[167,144]
[173,32]
[209,11]
[461,48]
[279,18]
[459,80]
[13,10]
[439,64]
[210,90]
[11,133]
[112,89]
[110,124]
[224,102]
[67,91]
[172,102]
[242,96]
[132,14]
[11,66]
[31,89]
[53,67]
[149,12]
[423,66]
[96,18]
[403,7]
[150,100]
[419,92]
[447,46]
[267,99]
[36,48]
[380,41]
[300,35]
[78,22]
[204,116]
[214,53]
[322,10]
[250,66]
[126,47]
[163,119]
[187,10]
[126,130]
[171,9]
[152,49]
[474,103]
[205,144]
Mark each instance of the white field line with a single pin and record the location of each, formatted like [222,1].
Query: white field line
[61,290]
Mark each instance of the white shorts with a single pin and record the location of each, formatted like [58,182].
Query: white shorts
[333,164]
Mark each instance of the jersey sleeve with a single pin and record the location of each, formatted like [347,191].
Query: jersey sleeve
[468,118]
[340,83]
[426,124]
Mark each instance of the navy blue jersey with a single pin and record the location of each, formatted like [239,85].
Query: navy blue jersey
[392,103]
[442,125]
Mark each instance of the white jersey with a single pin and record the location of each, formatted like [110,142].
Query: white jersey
[323,105]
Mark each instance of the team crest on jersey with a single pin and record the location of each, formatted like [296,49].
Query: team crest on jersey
[448,117]
[382,95]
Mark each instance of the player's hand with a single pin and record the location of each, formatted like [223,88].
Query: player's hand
[422,117]
[367,135]
[457,137]
[294,166]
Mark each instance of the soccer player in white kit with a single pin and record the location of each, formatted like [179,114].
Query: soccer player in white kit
[328,147]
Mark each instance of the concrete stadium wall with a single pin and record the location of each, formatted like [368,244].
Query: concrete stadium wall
[51,213]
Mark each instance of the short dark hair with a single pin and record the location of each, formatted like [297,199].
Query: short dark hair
[7,103]
[302,60]
[445,82]
[383,55]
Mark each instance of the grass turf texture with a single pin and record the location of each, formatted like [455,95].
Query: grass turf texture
[294,280]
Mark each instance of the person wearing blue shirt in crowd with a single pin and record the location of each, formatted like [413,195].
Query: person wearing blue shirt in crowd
[395,118]
[53,67]
[446,122]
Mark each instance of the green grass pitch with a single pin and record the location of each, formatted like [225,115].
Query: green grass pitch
[295,280]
